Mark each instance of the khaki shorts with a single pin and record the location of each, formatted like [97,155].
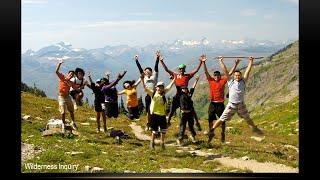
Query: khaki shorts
[232,108]
[65,103]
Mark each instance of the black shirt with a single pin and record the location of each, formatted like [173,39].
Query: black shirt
[98,94]
[186,102]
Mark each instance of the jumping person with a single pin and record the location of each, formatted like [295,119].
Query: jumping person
[150,80]
[182,79]
[80,81]
[236,102]
[98,102]
[157,111]
[64,98]
[187,113]
[217,86]
[130,89]
[111,96]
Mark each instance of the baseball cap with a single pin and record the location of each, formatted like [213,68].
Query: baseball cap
[160,84]
[182,66]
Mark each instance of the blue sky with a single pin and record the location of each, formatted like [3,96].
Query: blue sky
[97,23]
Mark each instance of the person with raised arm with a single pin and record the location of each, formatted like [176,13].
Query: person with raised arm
[217,87]
[236,102]
[182,79]
[157,110]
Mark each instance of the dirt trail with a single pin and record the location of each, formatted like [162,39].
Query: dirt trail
[253,165]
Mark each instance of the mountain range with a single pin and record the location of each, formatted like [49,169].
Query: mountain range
[38,66]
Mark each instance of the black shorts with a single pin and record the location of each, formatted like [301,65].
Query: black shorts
[98,107]
[158,121]
[133,112]
[112,110]
[74,92]
[215,110]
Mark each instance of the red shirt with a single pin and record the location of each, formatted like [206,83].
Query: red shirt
[64,85]
[182,80]
[217,89]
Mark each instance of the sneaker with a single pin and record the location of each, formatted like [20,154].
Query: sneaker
[151,145]
[257,131]
[179,142]
[193,139]
[135,119]
[162,146]
[74,126]
[98,130]
[210,136]
[205,132]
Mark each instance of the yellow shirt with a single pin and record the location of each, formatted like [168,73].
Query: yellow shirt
[157,105]
[132,99]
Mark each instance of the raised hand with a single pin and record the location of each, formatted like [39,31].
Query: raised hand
[60,60]
[136,57]
[89,74]
[237,61]
[251,58]
[120,76]
[158,54]
[220,58]
[203,58]
[161,58]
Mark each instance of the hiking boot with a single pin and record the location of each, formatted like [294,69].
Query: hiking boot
[210,136]
[162,146]
[223,137]
[179,142]
[193,139]
[257,131]
[151,145]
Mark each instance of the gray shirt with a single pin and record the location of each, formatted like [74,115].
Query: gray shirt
[236,90]
[151,81]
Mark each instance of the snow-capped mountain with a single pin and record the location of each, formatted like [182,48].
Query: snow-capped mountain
[38,66]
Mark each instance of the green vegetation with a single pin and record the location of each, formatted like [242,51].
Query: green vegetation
[33,90]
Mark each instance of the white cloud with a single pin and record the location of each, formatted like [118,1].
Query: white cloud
[34,1]
[248,12]
[296,2]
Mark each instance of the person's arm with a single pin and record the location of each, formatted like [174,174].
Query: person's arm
[236,62]
[136,58]
[136,83]
[170,85]
[223,67]
[246,74]
[165,67]
[113,83]
[156,69]
[122,92]
[58,67]
[197,69]
[147,90]
[89,76]
[195,83]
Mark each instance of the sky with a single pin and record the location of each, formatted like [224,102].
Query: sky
[97,23]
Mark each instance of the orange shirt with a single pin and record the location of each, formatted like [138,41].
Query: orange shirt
[132,98]
[182,80]
[64,86]
[217,89]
